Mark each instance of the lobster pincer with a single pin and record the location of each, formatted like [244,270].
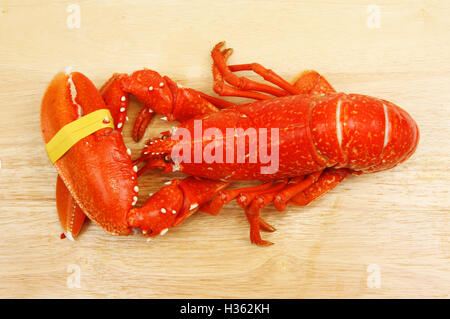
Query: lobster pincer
[97,177]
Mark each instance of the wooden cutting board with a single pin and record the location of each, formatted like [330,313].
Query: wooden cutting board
[380,235]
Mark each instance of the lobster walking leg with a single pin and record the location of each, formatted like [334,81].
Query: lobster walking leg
[281,199]
[220,103]
[244,83]
[223,89]
[214,206]
[309,82]
[246,198]
[299,191]
[326,182]
[252,211]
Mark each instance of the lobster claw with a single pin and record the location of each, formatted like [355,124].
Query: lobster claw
[159,95]
[97,170]
[70,214]
[172,204]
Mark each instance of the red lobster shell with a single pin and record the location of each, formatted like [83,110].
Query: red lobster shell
[321,137]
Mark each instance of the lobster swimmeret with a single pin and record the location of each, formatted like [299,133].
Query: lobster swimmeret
[323,136]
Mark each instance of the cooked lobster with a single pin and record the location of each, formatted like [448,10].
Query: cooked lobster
[319,136]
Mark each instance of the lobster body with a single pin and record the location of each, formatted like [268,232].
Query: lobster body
[308,139]
[357,132]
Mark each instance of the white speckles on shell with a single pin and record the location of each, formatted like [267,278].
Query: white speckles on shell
[164,118]
[122,109]
[163,210]
[174,211]
[119,125]
[193,206]
[161,84]
[136,188]
[164,231]
[135,168]
[150,88]
[128,151]
[123,98]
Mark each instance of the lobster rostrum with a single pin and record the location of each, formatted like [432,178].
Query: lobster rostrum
[323,136]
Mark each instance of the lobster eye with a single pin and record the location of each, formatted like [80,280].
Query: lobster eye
[164,136]
[167,159]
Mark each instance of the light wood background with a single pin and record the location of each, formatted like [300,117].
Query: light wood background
[392,226]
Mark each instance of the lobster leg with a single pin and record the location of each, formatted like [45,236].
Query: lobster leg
[296,186]
[172,204]
[252,211]
[214,206]
[159,95]
[279,191]
[326,182]
[220,103]
[246,198]
[299,191]
[244,83]
[222,88]
[308,82]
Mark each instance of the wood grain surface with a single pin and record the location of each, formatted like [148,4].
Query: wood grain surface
[379,235]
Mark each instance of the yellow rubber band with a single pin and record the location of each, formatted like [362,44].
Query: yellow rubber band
[71,133]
